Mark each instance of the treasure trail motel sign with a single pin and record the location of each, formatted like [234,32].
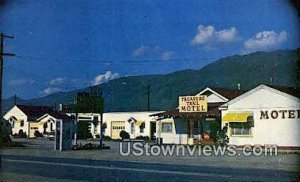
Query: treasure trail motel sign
[193,103]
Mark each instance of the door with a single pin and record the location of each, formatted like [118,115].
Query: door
[152,130]
[116,128]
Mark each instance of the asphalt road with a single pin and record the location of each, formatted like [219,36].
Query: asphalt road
[103,170]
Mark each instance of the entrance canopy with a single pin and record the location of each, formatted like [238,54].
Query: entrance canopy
[238,117]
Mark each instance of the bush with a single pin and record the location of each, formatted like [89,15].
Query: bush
[142,138]
[83,130]
[223,139]
[107,138]
[5,140]
[37,133]
[124,135]
[21,134]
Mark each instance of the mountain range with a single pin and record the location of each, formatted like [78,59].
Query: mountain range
[131,93]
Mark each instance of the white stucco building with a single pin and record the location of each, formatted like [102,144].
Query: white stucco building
[264,115]
[29,119]
[134,123]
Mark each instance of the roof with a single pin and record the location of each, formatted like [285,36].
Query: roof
[59,115]
[35,112]
[294,91]
[212,110]
[228,93]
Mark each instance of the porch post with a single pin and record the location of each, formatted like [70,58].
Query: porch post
[191,131]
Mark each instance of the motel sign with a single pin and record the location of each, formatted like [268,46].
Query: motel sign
[193,103]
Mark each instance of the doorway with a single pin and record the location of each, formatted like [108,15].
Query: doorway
[152,130]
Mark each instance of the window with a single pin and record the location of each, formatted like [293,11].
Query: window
[21,123]
[142,127]
[166,128]
[12,121]
[242,129]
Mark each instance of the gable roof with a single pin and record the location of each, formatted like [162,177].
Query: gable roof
[36,112]
[228,93]
[224,93]
[286,91]
[294,91]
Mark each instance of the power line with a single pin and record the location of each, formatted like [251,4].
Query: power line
[126,61]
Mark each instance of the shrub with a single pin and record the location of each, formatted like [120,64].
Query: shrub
[142,138]
[21,134]
[5,139]
[83,130]
[106,138]
[124,135]
[37,133]
[223,139]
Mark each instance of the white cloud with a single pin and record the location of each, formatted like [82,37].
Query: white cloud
[20,82]
[140,51]
[265,41]
[167,55]
[104,78]
[208,36]
[57,81]
[51,90]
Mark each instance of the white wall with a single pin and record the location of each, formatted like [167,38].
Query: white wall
[125,116]
[179,131]
[282,132]
[48,119]
[19,115]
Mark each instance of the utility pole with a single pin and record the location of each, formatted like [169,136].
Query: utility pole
[148,94]
[2,54]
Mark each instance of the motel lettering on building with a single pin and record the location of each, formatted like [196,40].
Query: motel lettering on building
[280,114]
[255,119]
[193,103]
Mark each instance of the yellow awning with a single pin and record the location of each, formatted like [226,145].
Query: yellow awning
[239,117]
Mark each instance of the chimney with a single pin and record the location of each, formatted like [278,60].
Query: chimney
[239,86]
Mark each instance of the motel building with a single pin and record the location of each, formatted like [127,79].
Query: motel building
[91,119]
[197,116]
[265,115]
[28,119]
[137,124]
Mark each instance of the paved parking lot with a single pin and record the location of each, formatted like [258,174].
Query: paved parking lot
[42,150]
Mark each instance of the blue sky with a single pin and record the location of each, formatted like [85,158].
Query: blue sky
[63,45]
